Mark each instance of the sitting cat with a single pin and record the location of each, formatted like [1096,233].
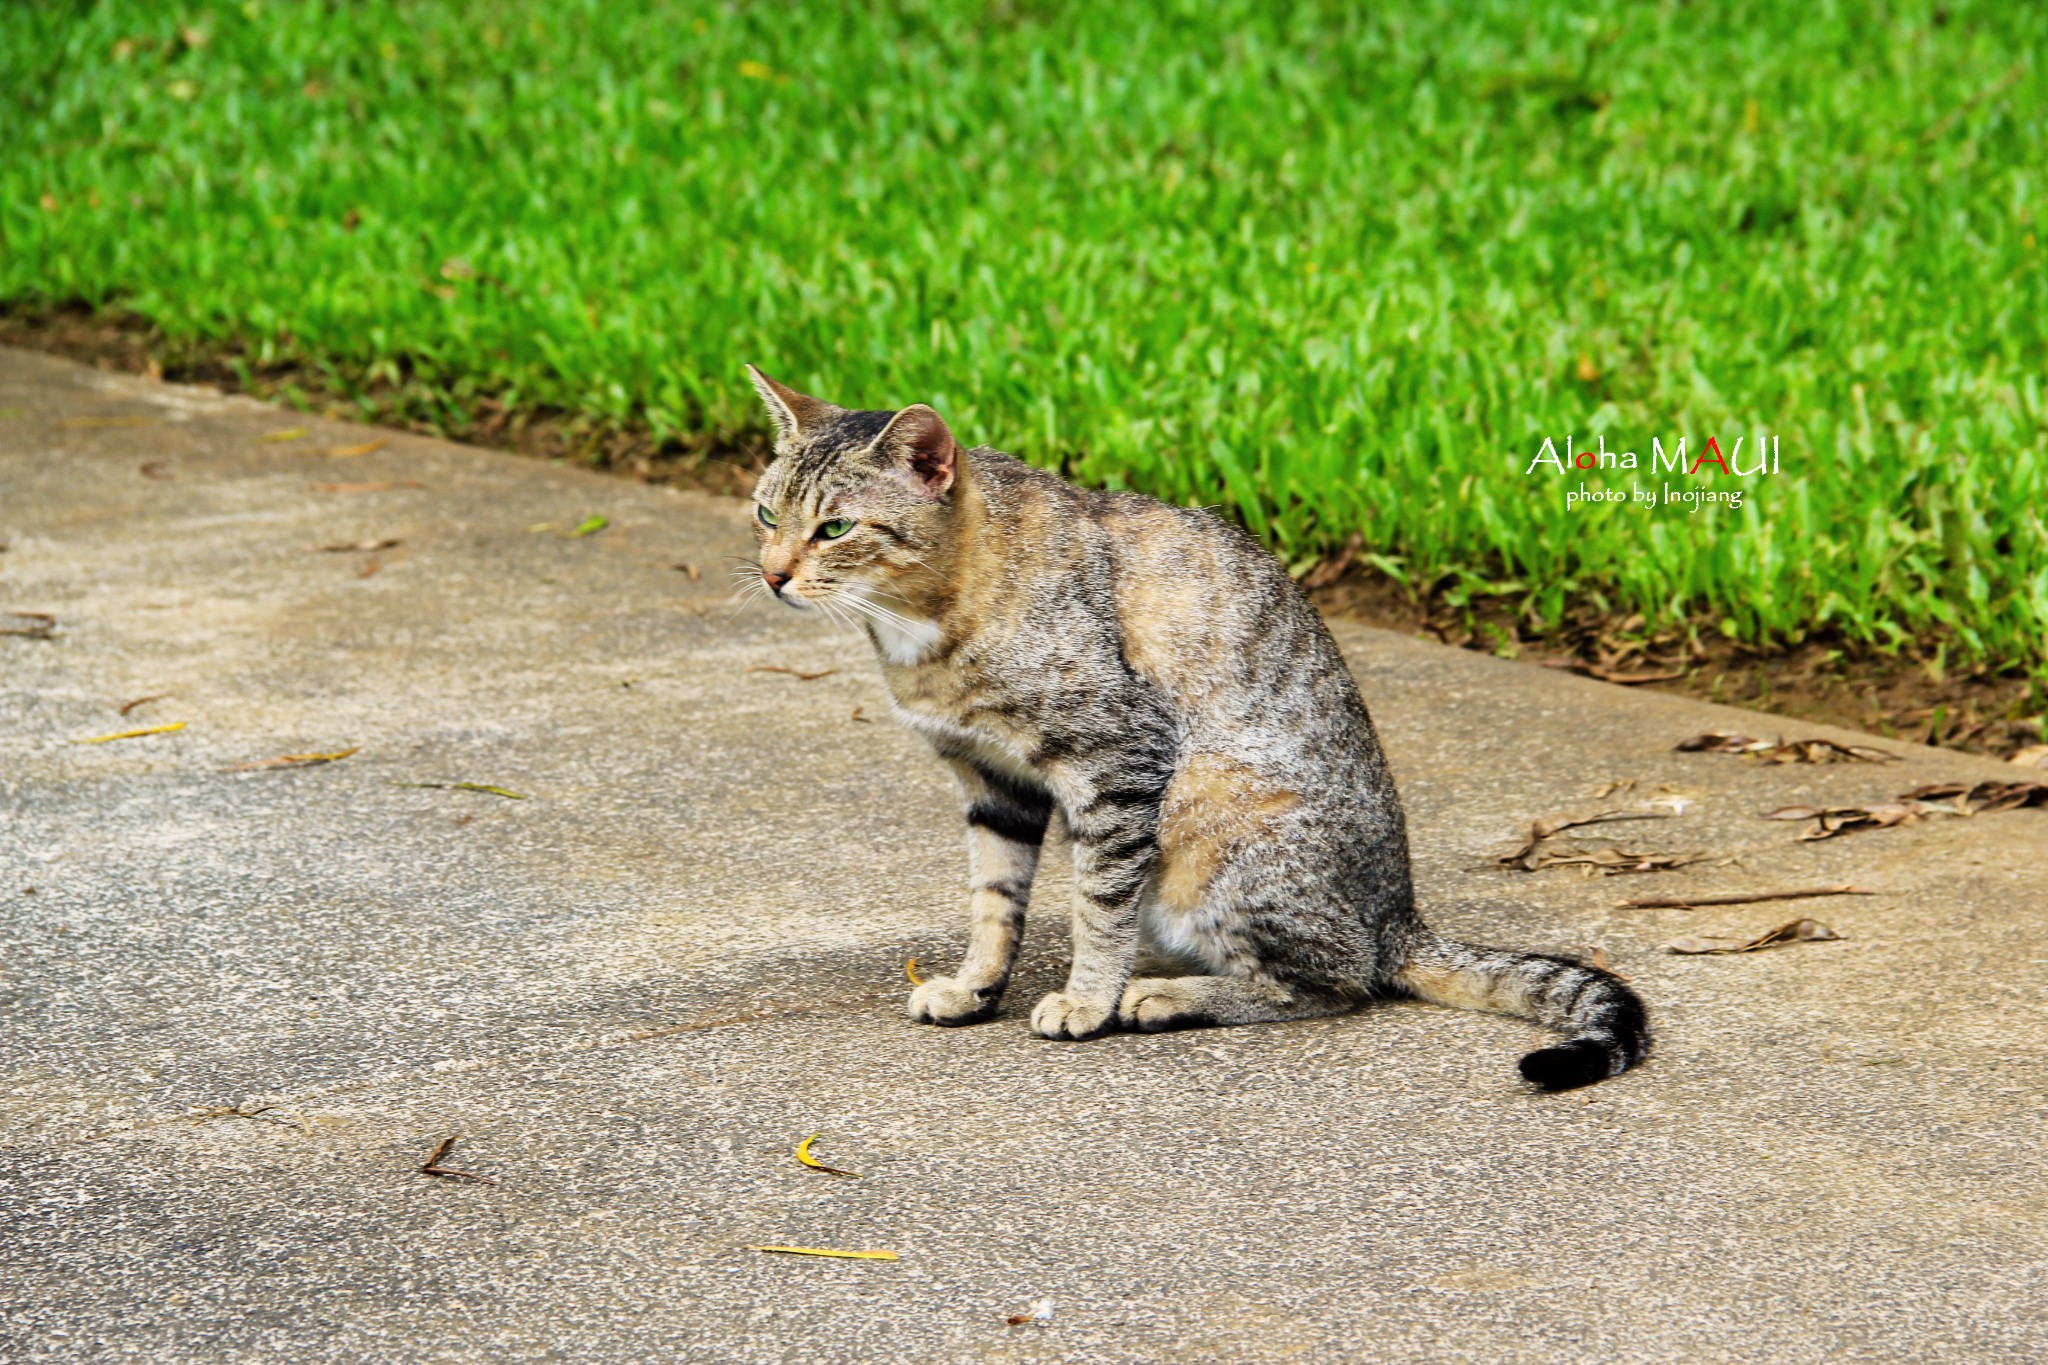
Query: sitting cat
[1152,673]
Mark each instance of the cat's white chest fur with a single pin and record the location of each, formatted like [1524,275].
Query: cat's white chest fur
[904,639]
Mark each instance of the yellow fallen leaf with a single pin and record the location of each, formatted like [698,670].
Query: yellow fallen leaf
[347,452]
[288,434]
[827,1251]
[803,1154]
[910,970]
[133,734]
[464,787]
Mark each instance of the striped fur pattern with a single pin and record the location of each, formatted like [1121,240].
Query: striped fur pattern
[1151,674]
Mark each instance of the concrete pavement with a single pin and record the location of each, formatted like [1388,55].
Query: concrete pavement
[238,1008]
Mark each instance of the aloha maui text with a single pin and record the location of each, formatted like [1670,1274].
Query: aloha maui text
[1711,457]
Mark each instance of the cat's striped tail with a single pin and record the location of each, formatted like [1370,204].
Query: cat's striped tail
[1607,1030]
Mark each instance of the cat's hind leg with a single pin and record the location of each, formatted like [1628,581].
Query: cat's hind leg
[1155,1003]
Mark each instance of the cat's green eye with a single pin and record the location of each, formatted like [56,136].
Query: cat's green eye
[832,530]
[767,517]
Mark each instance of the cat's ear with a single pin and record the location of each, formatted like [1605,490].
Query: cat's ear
[918,443]
[794,413]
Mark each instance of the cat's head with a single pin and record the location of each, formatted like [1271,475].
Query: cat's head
[854,504]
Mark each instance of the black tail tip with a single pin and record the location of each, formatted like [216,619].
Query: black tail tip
[1568,1065]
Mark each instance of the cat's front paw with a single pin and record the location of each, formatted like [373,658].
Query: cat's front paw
[1066,1015]
[944,1001]
[1152,1003]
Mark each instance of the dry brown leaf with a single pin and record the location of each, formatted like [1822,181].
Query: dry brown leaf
[41,625]
[1739,898]
[1721,742]
[796,673]
[128,706]
[152,469]
[1826,751]
[1781,750]
[1614,861]
[1598,960]
[432,1165]
[1830,821]
[1631,679]
[356,545]
[369,569]
[1792,931]
[374,487]
[1332,569]
[361,448]
[294,760]
[1611,675]
[2033,756]
[105,423]
[1541,830]
[1934,130]
[1982,799]
[1544,829]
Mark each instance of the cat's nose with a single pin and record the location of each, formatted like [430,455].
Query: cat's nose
[774,581]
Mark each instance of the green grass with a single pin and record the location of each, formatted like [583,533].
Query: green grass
[1335,271]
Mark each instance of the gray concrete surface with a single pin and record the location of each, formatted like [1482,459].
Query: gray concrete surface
[634,992]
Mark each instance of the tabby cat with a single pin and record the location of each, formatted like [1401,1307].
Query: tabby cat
[1151,673]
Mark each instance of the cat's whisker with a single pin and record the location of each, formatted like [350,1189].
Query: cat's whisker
[866,609]
[882,613]
[880,618]
[863,602]
[746,593]
[835,610]
[844,608]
